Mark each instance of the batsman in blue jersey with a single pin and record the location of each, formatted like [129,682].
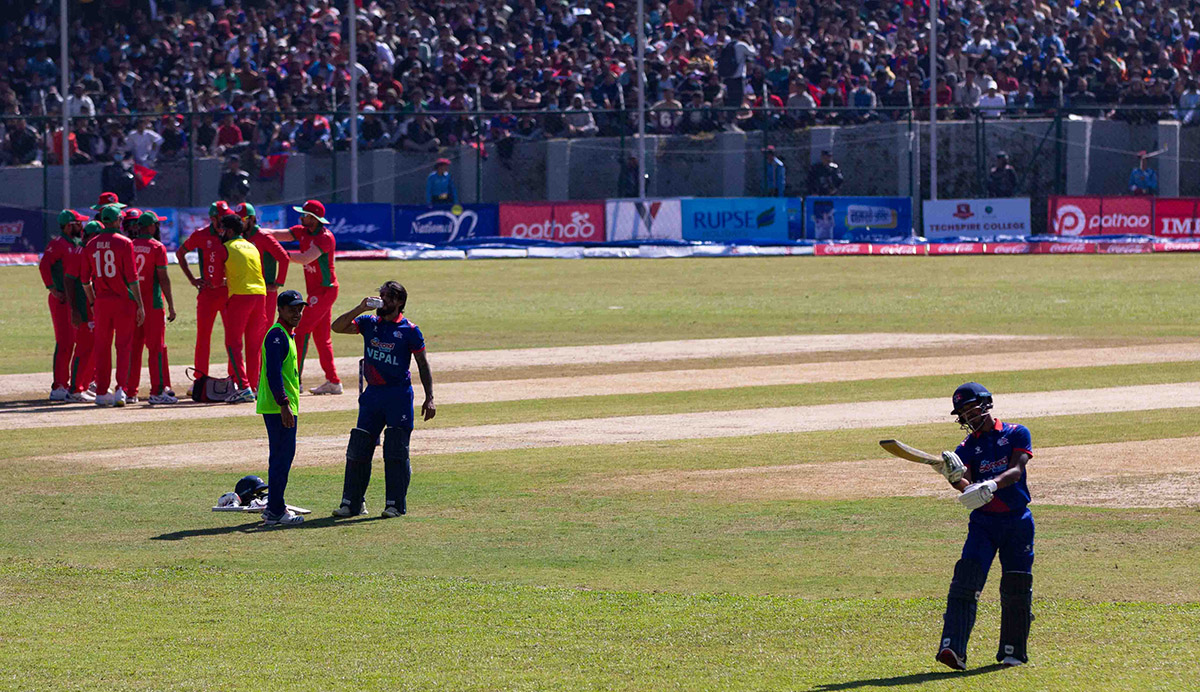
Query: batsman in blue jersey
[386,405]
[988,469]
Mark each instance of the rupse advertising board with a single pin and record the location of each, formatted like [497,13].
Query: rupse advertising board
[562,222]
[1093,215]
[983,219]
[367,223]
[21,230]
[747,219]
[859,219]
[653,219]
[443,225]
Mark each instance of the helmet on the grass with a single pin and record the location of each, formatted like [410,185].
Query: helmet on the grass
[249,488]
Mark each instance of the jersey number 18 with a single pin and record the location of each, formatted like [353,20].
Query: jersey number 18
[106,263]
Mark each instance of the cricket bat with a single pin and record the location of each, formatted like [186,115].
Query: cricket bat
[258,510]
[899,449]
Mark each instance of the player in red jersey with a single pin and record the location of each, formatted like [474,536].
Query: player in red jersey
[274,261]
[80,297]
[108,265]
[213,295]
[53,269]
[129,219]
[150,261]
[317,246]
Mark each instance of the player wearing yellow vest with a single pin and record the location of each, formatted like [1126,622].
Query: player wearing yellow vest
[247,291]
[279,404]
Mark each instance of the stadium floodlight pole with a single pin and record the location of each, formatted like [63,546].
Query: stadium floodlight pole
[64,70]
[353,15]
[933,175]
[641,98]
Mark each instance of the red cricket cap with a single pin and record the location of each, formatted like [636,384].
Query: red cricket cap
[131,213]
[314,208]
[107,198]
[442,162]
[219,209]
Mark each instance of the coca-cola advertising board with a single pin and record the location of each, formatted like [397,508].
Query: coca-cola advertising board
[561,222]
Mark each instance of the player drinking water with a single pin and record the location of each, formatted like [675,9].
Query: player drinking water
[387,404]
[988,468]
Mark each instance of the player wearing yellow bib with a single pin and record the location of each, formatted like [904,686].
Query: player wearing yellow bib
[247,291]
[279,404]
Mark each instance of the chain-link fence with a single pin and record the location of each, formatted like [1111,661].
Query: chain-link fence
[189,159]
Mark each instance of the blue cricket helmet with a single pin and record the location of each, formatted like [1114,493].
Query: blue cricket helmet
[250,488]
[971,393]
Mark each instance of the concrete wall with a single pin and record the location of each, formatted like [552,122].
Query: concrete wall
[1096,159]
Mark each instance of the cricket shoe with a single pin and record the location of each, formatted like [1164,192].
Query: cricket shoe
[92,389]
[288,518]
[950,659]
[119,398]
[242,396]
[1012,662]
[106,400]
[84,397]
[59,394]
[392,511]
[327,388]
[164,398]
[344,511]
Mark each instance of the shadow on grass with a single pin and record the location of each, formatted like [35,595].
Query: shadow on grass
[914,679]
[259,527]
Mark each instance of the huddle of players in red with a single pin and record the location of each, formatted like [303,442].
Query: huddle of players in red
[108,283]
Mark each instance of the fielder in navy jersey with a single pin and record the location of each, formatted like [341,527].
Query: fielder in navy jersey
[988,468]
[390,343]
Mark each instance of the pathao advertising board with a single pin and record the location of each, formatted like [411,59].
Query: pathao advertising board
[1084,216]
[561,222]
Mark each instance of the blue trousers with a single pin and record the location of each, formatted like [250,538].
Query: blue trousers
[283,450]
[385,406]
[1011,536]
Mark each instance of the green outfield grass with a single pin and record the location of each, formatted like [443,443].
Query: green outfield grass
[546,569]
[340,631]
[519,303]
[521,569]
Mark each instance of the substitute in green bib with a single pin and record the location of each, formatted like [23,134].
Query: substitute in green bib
[279,404]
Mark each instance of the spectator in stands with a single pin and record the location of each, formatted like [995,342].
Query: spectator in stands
[698,118]
[667,113]
[117,177]
[825,177]
[1002,179]
[1143,180]
[579,120]
[235,183]
[1189,104]
[775,183]
[800,104]
[439,186]
[230,137]
[79,104]
[419,134]
[174,140]
[992,103]
[372,133]
[22,144]
[77,156]
[143,143]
